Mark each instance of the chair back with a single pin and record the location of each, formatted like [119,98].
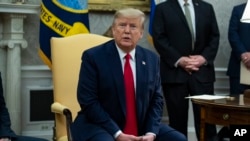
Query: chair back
[66,53]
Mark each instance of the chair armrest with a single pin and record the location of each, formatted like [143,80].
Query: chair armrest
[58,108]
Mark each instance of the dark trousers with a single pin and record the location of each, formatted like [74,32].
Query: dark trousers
[26,138]
[236,87]
[82,130]
[166,133]
[178,106]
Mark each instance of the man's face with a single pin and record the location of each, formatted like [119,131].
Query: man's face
[127,32]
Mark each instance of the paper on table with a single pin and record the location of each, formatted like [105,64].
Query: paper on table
[207,97]
[244,75]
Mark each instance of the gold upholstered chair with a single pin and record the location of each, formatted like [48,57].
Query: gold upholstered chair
[66,55]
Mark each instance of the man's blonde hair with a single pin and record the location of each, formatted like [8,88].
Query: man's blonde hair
[130,13]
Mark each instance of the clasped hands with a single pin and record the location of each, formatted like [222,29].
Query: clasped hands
[191,63]
[245,57]
[127,137]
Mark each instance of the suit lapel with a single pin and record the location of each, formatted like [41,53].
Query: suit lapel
[141,78]
[176,6]
[117,72]
[197,11]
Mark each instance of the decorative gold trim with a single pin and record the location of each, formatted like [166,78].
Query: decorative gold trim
[113,5]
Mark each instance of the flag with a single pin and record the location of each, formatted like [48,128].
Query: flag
[151,18]
[60,18]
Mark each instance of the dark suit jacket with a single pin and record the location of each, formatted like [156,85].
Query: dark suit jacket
[238,36]
[101,92]
[5,124]
[172,39]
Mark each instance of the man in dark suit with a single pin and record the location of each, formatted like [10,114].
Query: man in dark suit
[238,36]
[102,94]
[6,133]
[187,57]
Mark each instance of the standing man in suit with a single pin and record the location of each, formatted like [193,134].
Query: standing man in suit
[238,36]
[102,88]
[187,47]
[6,133]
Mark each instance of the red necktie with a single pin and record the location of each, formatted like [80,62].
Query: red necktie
[131,120]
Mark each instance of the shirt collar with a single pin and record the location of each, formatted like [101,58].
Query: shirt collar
[181,2]
[122,54]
